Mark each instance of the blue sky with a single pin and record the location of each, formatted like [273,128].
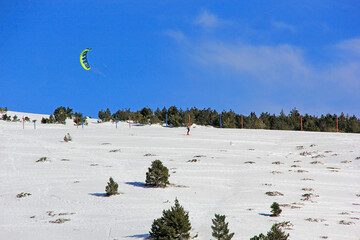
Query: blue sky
[254,55]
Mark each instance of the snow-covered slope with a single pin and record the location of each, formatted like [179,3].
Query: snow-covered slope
[233,171]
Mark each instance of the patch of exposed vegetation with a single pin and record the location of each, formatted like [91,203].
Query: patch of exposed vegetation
[276,172]
[316,162]
[299,147]
[149,155]
[23,194]
[60,220]
[115,150]
[344,213]
[343,222]
[302,171]
[313,145]
[67,138]
[275,193]
[307,189]
[319,156]
[199,156]
[43,159]
[315,220]
[295,166]
[308,196]
[346,161]
[194,160]
[277,163]
[249,162]
[307,179]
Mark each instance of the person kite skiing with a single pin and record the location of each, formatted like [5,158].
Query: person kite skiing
[188,129]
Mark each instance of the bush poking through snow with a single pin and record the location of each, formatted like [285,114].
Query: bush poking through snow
[112,187]
[158,175]
[174,224]
[60,220]
[43,159]
[220,228]
[21,195]
[276,193]
[67,138]
[275,209]
[274,233]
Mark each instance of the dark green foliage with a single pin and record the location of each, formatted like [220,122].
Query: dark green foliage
[77,119]
[51,119]
[60,115]
[5,117]
[111,188]
[177,118]
[158,175]
[174,224]
[220,228]
[275,209]
[3,110]
[122,115]
[275,233]
[15,118]
[105,116]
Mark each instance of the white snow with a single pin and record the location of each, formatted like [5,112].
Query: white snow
[233,171]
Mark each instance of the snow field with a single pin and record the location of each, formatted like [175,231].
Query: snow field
[225,171]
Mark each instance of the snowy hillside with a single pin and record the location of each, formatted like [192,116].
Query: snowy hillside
[316,177]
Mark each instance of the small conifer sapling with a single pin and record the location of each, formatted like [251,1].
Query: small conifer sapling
[111,188]
[220,228]
[275,209]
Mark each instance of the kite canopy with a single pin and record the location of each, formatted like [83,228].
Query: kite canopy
[83,59]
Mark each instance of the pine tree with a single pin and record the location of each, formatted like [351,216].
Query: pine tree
[220,228]
[111,188]
[275,233]
[276,210]
[158,175]
[174,224]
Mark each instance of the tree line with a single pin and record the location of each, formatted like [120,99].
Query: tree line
[176,117]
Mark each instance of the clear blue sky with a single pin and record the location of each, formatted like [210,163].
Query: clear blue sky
[250,55]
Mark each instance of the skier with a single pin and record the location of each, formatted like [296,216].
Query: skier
[188,129]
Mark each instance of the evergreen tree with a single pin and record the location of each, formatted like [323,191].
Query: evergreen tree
[174,224]
[220,228]
[275,209]
[60,115]
[111,188]
[158,175]
[105,116]
[275,233]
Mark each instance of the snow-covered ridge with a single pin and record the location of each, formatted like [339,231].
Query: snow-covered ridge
[315,177]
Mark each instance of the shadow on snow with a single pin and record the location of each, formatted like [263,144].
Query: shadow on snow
[98,194]
[265,214]
[143,236]
[137,184]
